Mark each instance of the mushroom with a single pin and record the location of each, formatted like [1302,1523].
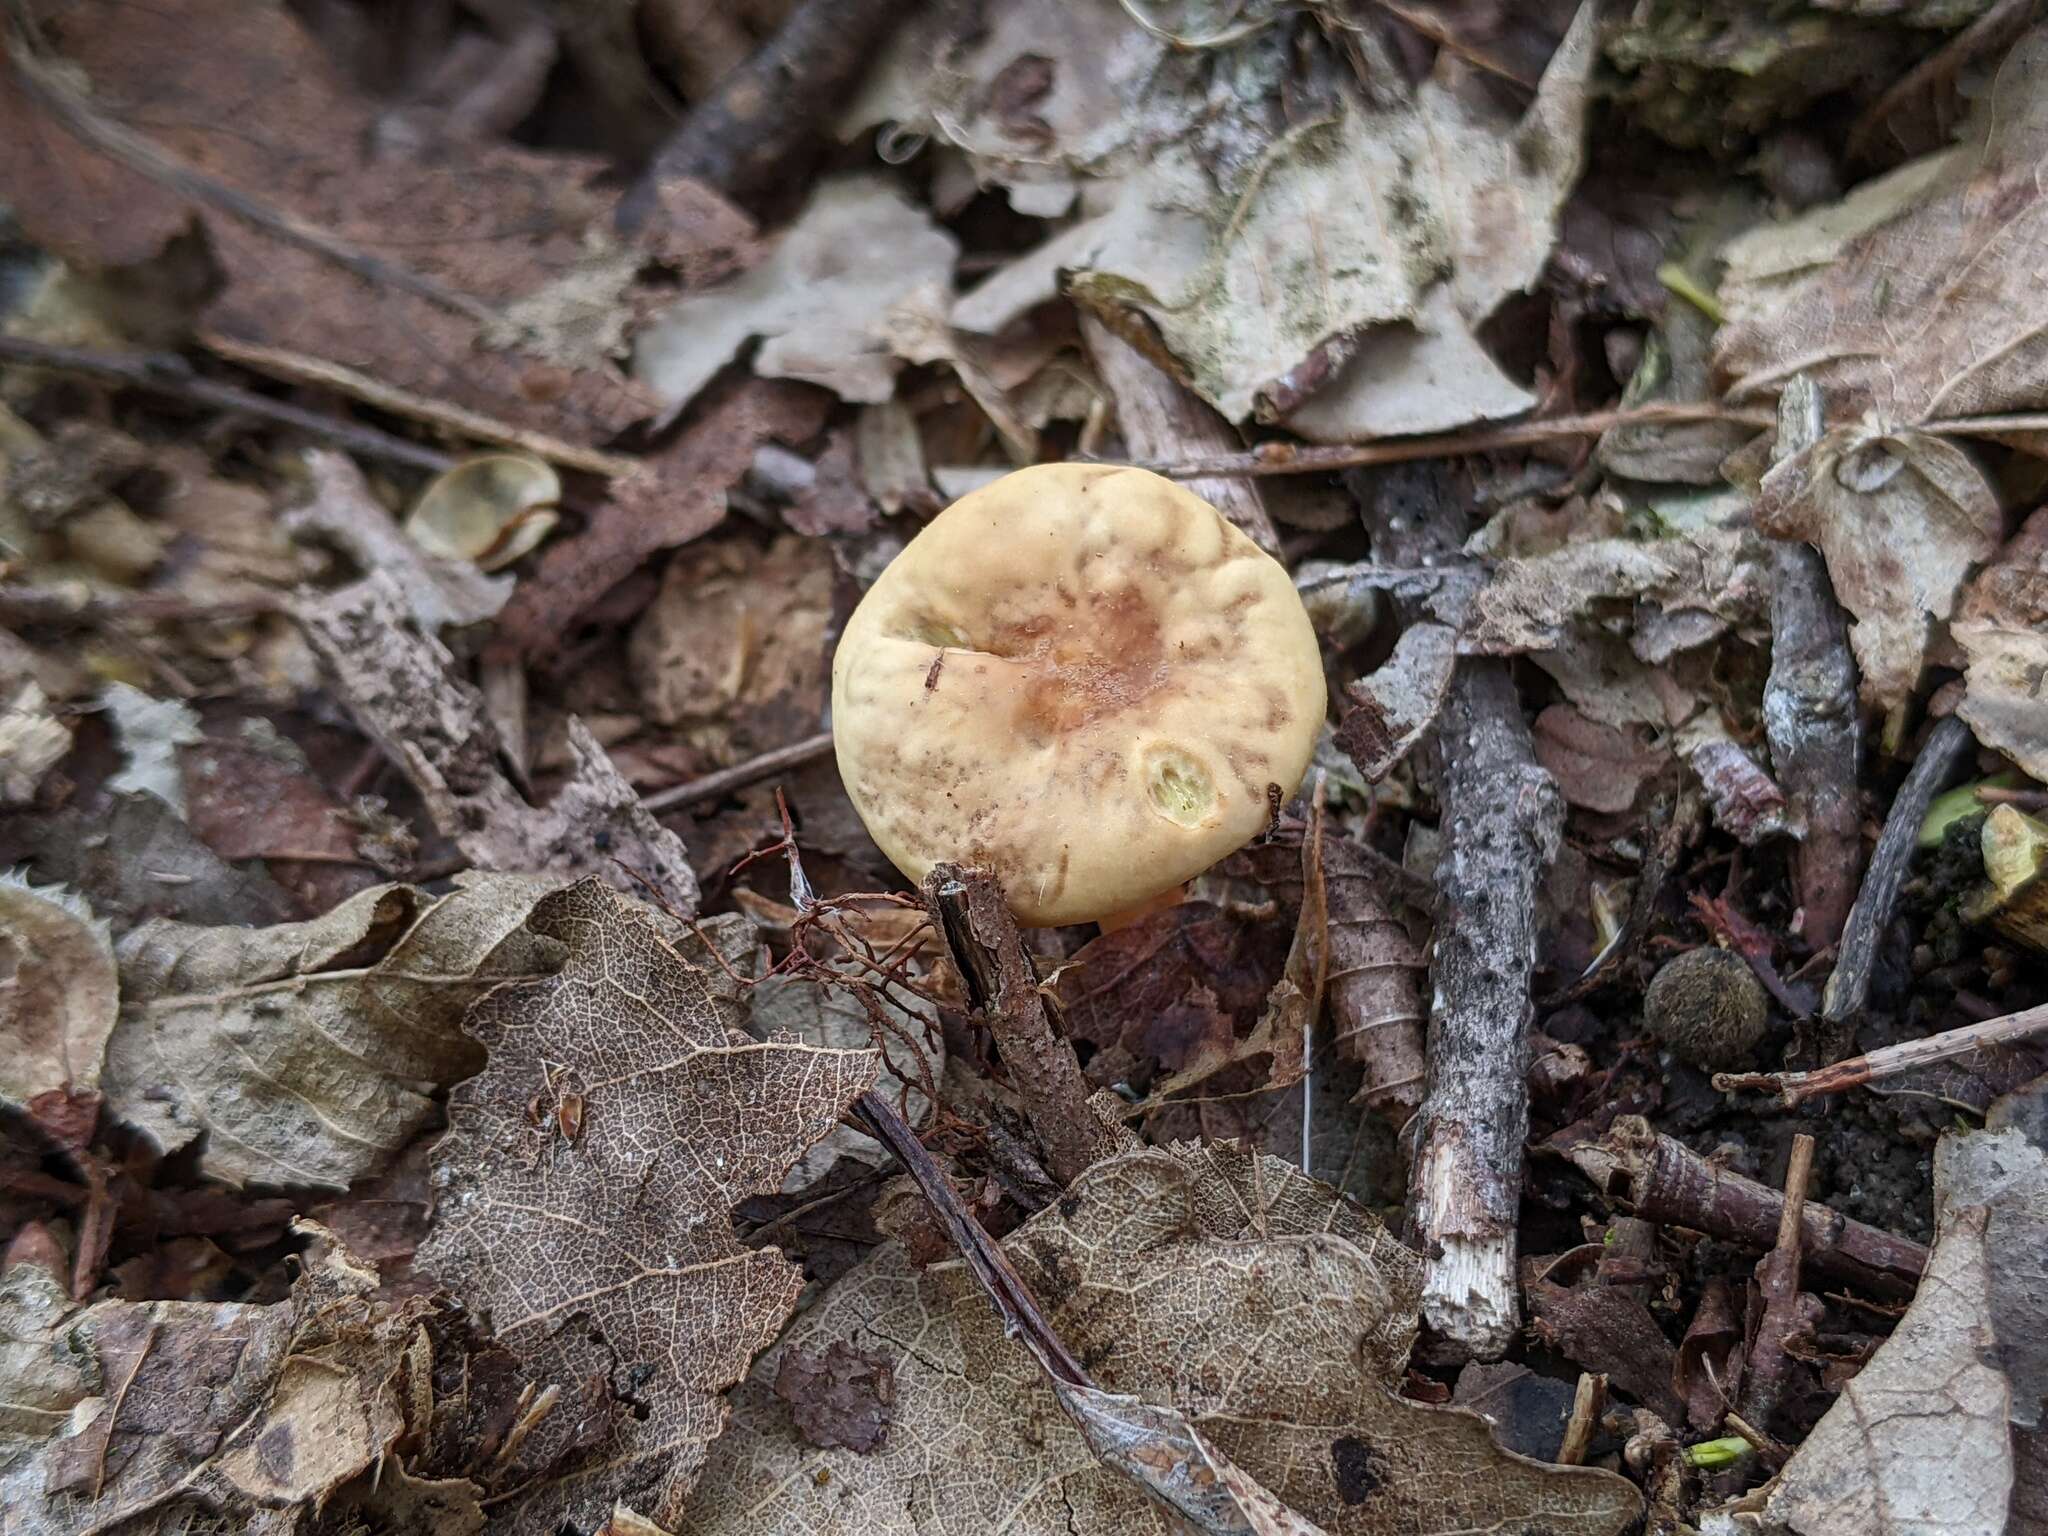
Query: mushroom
[1081,678]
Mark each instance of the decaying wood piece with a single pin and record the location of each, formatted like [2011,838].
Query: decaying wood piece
[1661,1179]
[1810,703]
[1777,1278]
[1501,818]
[1948,744]
[1794,1087]
[402,689]
[744,136]
[982,938]
[1164,419]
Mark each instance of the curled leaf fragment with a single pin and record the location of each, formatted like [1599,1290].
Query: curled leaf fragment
[489,510]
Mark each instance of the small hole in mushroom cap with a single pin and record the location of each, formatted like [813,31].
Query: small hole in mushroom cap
[1179,787]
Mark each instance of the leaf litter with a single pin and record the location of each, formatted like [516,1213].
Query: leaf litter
[405,476]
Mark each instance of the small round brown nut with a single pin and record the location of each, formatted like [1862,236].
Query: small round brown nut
[1081,678]
[1708,1006]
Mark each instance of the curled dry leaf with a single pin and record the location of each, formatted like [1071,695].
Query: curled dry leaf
[489,510]
[1223,1290]
[180,1411]
[306,1053]
[2002,625]
[1392,708]
[58,1006]
[33,740]
[584,1191]
[1900,517]
[60,996]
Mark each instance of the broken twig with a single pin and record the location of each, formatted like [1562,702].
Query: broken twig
[1810,703]
[716,786]
[1795,1087]
[982,937]
[1777,1278]
[1848,988]
[1661,1179]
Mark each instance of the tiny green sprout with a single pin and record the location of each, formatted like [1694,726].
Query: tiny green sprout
[1687,287]
[1712,1454]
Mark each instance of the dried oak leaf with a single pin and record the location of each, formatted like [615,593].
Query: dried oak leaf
[247,96]
[187,1410]
[603,1253]
[60,996]
[2002,625]
[1205,1281]
[1918,296]
[1900,517]
[307,1053]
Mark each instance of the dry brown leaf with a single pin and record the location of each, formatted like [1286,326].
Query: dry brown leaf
[247,96]
[245,1413]
[33,740]
[676,495]
[306,1053]
[1597,767]
[1705,581]
[1900,518]
[1922,1438]
[2002,625]
[1376,972]
[732,649]
[584,1191]
[60,995]
[1918,296]
[1225,1289]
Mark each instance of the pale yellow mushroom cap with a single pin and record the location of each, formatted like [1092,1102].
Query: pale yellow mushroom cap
[1082,678]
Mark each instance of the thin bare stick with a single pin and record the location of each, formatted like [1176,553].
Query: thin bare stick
[1587,1404]
[55,95]
[1849,987]
[1777,1278]
[1290,459]
[1996,27]
[1810,703]
[1795,1087]
[167,374]
[716,786]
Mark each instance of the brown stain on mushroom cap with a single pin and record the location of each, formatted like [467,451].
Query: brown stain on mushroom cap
[1123,675]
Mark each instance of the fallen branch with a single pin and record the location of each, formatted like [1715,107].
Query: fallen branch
[1162,418]
[1848,988]
[1796,1087]
[743,137]
[985,946]
[1502,818]
[1663,1180]
[1810,704]
[1777,1279]
[716,786]
[1294,459]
